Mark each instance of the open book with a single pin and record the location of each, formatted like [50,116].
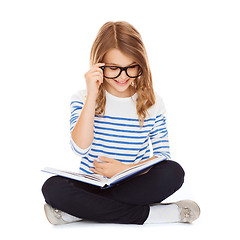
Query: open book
[105,182]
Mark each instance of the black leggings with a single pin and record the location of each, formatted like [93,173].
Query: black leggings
[126,203]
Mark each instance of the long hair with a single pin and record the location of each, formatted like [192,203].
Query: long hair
[123,36]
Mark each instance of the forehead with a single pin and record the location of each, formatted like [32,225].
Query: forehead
[115,56]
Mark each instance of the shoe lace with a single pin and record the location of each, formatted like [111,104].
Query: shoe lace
[57,213]
[186,213]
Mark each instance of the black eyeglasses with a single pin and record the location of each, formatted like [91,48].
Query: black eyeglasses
[112,72]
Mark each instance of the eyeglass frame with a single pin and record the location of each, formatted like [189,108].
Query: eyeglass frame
[122,69]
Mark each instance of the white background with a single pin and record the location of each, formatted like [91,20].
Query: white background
[194,54]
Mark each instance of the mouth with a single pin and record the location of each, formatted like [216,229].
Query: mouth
[122,83]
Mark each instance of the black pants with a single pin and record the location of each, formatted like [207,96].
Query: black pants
[126,203]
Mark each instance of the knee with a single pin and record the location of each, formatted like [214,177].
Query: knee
[176,173]
[50,188]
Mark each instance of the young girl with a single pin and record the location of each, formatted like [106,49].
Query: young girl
[113,122]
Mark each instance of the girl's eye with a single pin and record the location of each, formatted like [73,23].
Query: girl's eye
[134,66]
[113,68]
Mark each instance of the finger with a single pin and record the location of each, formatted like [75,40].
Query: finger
[97,79]
[105,159]
[100,172]
[99,64]
[96,69]
[95,171]
[99,70]
[97,74]
[97,164]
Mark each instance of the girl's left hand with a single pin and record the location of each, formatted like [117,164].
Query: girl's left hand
[109,167]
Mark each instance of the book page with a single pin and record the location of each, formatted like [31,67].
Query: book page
[94,179]
[136,168]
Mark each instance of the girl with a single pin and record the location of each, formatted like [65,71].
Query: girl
[113,122]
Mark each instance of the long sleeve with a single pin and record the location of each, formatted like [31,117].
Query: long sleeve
[159,133]
[76,105]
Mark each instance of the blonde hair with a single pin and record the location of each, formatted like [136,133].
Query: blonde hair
[126,38]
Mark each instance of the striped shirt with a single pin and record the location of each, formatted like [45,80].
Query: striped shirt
[118,135]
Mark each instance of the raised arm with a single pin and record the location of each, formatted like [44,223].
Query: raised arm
[83,112]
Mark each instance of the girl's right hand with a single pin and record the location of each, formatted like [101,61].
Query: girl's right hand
[94,78]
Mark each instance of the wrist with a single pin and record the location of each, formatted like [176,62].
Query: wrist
[91,98]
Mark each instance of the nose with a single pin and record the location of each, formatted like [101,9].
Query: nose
[123,75]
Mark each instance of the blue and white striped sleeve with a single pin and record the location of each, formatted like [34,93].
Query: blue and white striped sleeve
[159,133]
[76,106]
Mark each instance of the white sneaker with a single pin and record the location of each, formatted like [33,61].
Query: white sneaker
[189,210]
[57,217]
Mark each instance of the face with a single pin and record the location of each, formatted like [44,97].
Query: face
[120,86]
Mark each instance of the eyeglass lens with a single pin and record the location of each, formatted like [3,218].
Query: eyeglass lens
[114,71]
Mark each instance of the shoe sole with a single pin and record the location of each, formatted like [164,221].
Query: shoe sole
[45,210]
